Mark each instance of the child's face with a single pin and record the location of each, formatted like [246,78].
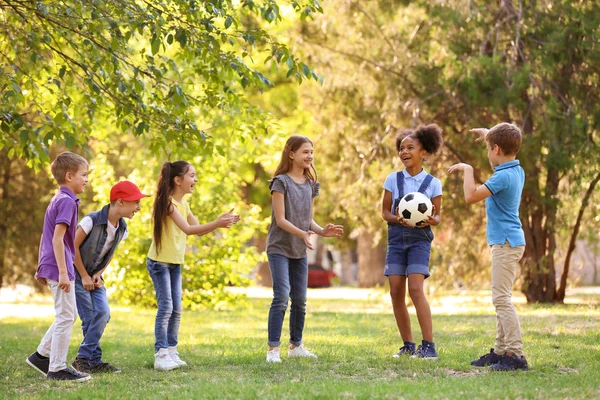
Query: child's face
[129,208]
[492,153]
[303,157]
[78,180]
[411,152]
[186,184]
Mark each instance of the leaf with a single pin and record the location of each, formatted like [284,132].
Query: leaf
[228,22]
[155,45]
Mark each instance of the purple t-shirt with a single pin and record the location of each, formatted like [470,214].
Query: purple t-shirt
[63,209]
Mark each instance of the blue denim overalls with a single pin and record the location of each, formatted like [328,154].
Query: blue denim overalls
[408,248]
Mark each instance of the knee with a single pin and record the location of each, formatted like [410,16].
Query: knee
[280,301]
[416,292]
[165,310]
[397,295]
[299,302]
[501,301]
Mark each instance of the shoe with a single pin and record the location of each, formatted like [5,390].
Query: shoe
[163,361]
[39,363]
[82,365]
[510,363]
[408,349]
[68,374]
[273,356]
[105,367]
[487,359]
[426,350]
[300,351]
[174,354]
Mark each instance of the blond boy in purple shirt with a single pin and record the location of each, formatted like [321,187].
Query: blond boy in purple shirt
[55,267]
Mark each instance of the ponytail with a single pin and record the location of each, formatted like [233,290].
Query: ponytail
[163,206]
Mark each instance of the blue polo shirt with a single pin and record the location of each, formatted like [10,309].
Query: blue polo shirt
[502,207]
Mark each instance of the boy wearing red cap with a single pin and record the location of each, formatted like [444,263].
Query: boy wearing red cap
[98,235]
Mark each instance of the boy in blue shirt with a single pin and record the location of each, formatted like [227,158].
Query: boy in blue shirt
[97,237]
[502,194]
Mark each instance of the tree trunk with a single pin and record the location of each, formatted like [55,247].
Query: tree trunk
[371,261]
[347,273]
[6,170]
[563,279]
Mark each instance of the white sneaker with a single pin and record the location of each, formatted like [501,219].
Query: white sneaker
[174,354]
[300,351]
[163,361]
[273,356]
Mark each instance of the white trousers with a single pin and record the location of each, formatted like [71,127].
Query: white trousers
[55,343]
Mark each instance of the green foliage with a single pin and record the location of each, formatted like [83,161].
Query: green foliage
[156,69]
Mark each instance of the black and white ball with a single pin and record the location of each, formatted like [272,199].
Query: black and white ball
[415,207]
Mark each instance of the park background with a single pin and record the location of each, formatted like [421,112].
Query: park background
[222,84]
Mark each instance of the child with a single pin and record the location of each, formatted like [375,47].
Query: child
[505,238]
[293,189]
[55,267]
[407,258]
[173,221]
[98,235]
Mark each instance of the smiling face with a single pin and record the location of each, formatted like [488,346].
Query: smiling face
[129,208]
[187,182]
[78,180]
[303,157]
[411,152]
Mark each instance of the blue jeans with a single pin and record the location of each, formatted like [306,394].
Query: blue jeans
[167,284]
[92,307]
[290,280]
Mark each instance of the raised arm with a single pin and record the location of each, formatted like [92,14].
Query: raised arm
[224,221]
[472,193]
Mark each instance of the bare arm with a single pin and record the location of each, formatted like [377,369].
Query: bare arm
[279,211]
[330,230]
[473,194]
[59,253]
[224,221]
[386,207]
[86,280]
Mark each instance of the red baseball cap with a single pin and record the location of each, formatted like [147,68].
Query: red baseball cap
[127,191]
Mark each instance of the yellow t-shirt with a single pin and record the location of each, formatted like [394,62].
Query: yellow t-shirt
[172,246]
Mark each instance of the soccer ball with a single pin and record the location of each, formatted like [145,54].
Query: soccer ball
[415,207]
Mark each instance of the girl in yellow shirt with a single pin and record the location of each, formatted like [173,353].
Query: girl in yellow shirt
[173,221]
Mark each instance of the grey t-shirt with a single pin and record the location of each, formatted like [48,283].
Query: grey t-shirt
[298,211]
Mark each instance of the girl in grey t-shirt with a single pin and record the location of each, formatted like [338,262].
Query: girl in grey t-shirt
[293,189]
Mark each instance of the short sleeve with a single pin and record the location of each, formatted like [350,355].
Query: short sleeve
[390,182]
[277,185]
[436,188]
[65,209]
[315,189]
[497,182]
[86,224]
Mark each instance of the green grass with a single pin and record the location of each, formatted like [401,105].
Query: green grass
[354,340]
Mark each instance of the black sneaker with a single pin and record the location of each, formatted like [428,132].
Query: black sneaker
[105,367]
[487,359]
[39,363]
[68,375]
[512,363]
[408,349]
[426,351]
[82,365]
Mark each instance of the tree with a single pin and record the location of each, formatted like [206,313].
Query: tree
[463,65]
[158,69]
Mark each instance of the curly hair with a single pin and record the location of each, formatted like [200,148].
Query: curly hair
[429,136]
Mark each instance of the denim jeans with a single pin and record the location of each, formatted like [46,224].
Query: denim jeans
[167,284]
[92,307]
[290,280]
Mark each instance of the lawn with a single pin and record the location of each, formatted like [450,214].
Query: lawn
[354,339]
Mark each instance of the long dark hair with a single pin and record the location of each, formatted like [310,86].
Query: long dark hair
[285,165]
[163,206]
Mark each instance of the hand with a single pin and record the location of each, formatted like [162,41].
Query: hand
[227,219]
[481,132]
[88,283]
[431,220]
[306,237]
[331,230]
[63,282]
[459,167]
[42,281]
[97,278]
